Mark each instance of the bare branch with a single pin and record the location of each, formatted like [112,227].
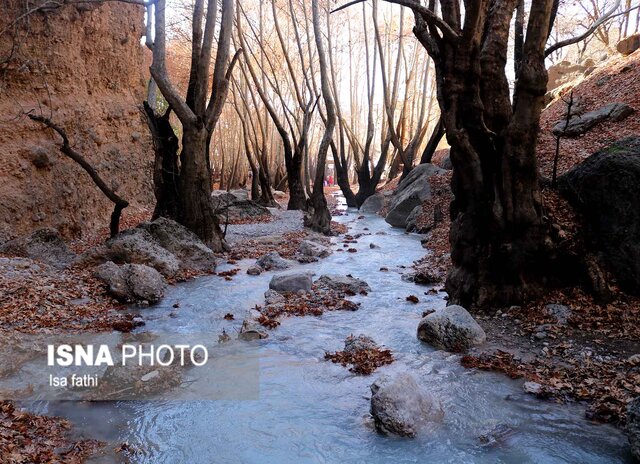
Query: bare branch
[429,16]
[119,202]
[610,14]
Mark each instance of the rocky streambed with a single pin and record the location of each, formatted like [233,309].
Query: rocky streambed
[312,410]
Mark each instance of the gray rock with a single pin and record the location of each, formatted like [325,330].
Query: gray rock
[560,312]
[362,342]
[345,284]
[183,243]
[495,434]
[313,249]
[446,164]
[291,282]
[137,246]
[43,245]
[400,407]
[633,426]
[240,194]
[254,270]
[605,189]
[273,261]
[580,124]
[412,219]
[132,282]
[533,388]
[411,192]
[272,297]
[451,329]
[373,204]
[252,329]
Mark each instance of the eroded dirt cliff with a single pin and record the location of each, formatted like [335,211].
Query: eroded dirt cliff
[84,67]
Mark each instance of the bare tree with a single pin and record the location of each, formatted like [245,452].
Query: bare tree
[498,234]
[320,220]
[198,114]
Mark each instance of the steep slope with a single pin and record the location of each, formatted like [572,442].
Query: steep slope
[83,66]
[616,80]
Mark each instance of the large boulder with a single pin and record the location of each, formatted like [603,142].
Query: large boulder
[452,329]
[581,123]
[273,261]
[633,426]
[345,284]
[411,192]
[629,45]
[136,246]
[132,283]
[373,204]
[183,243]
[399,406]
[605,189]
[291,282]
[43,245]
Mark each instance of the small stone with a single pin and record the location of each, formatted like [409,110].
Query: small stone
[533,388]
[254,270]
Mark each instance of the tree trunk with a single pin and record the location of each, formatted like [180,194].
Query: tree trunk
[196,211]
[320,219]
[432,144]
[166,172]
[497,232]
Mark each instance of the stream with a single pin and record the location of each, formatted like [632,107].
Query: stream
[313,411]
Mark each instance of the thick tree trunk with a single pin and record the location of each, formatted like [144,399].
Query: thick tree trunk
[196,211]
[497,236]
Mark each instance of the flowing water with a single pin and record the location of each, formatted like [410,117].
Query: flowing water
[314,411]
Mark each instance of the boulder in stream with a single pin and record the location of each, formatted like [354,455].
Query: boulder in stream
[183,243]
[452,329]
[411,192]
[345,284]
[132,283]
[313,249]
[293,282]
[273,261]
[399,406]
[251,328]
[135,246]
[373,204]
